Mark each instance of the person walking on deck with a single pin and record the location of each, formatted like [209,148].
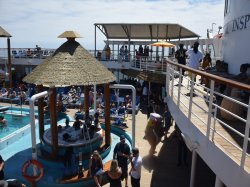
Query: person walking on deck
[180,55]
[114,174]
[168,120]
[122,154]
[195,57]
[135,171]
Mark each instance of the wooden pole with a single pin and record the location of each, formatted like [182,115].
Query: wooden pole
[9,63]
[86,98]
[54,135]
[41,112]
[107,115]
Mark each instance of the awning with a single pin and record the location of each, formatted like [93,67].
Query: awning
[150,31]
[145,75]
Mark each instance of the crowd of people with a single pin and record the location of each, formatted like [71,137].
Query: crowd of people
[119,169]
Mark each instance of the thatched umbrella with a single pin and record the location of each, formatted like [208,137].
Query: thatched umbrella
[5,34]
[71,64]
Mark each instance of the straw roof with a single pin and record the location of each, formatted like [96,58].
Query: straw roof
[71,64]
[4,33]
[70,34]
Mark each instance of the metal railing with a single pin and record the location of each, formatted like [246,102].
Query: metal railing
[219,112]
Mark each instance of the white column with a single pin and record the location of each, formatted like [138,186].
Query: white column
[193,168]
[125,86]
[218,182]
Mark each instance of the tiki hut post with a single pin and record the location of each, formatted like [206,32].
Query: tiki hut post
[86,98]
[9,63]
[41,112]
[107,114]
[53,115]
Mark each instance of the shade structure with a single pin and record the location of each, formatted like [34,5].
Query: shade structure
[145,31]
[71,64]
[4,33]
[162,44]
[145,75]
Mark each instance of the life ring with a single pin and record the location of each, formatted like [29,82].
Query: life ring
[32,178]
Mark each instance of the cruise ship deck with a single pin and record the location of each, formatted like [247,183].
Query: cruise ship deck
[214,125]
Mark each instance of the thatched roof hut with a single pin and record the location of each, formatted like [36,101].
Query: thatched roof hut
[71,64]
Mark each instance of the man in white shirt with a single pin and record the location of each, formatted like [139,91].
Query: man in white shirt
[135,171]
[195,57]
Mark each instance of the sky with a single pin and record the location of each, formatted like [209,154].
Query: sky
[34,23]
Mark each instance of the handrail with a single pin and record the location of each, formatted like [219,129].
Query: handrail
[209,115]
[216,78]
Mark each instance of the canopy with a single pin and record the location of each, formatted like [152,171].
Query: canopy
[150,31]
[145,75]
[4,33]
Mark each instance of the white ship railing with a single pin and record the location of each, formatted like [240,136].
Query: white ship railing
[212,120]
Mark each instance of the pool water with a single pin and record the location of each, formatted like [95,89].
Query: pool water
[19,117]
[14,122]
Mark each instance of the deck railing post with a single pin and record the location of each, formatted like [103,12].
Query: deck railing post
[191,97]
[167,78]
[172,86]
[245,144]
[215,114]
[210,108]
[179,87]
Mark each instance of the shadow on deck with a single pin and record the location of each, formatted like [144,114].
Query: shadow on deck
[165,171]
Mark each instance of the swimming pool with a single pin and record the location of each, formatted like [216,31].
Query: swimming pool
[18,124]
[14,122]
